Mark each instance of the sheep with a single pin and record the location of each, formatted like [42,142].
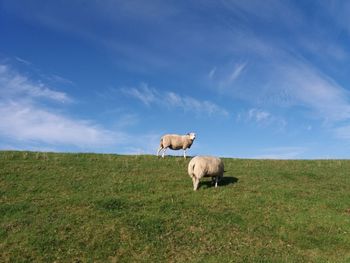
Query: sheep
[205,166]
[176,142]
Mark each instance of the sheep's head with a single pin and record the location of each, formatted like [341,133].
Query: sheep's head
[192,135]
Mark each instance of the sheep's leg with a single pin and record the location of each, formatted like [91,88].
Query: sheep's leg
[216,181]
[185,154]
[164,152]
[195,183]
[160,148]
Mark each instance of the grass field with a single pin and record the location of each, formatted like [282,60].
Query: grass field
[111,208]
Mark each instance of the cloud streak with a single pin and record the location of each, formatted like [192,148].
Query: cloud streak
[151,96]
[262,118]
[145,94]
[24,119]
[14,85]
[30,123]
[307,86]
[236,72]
[287,80]
[258,115]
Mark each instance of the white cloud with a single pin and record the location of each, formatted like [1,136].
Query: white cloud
[278,74]
[14,85]
[24,120]
[144,93]
[59,79]
[267,11]
[23,61]
[25,124]
[191,104]
[287,80]
[258,115]
[148,96]
[262,118]
[212,73]
[236,72]
[311,88]
[224,78]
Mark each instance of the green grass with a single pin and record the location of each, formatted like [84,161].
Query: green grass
[111,208]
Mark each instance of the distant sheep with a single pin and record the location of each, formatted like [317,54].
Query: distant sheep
[176,142]
[205,166]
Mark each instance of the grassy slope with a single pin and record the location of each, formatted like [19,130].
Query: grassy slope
[89,207]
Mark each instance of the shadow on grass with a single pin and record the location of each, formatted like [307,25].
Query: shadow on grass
[226,180]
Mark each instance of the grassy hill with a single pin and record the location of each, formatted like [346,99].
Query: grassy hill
[111,208]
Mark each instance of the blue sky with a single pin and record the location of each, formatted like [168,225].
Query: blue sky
[253,79]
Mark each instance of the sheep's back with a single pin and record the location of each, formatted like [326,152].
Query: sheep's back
[173,141]
[208,166]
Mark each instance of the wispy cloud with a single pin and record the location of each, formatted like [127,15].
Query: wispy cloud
[148,96]
[191,104]
[279,73]
[261,118]
[14,85]
[224,77]
[25,122]
[236,72]
[258,115]
[288,81]
[59,79]
[311,88]
[254,115]
[23,61]
[267,11]
[144,93]
[24,119]
[212,73]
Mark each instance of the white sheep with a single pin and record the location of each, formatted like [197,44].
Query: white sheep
[176,142]
[205,166]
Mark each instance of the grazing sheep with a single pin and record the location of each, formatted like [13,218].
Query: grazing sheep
[205,166]
[176,142]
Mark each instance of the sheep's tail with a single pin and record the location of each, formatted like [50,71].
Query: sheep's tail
[191,169]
